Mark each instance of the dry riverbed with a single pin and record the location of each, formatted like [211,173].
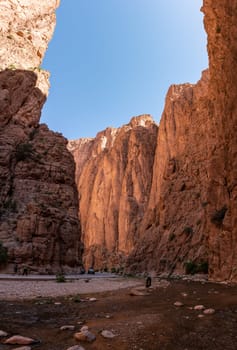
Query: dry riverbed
[166,318]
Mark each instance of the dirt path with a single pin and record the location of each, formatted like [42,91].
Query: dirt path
[139,322]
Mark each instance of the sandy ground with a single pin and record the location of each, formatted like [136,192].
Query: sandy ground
[150,322]
[28,289]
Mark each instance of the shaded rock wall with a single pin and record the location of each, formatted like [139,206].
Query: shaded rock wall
[220,23]
[38,198]
[114,178]
[192,215]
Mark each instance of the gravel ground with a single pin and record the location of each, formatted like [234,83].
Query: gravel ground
[10,290]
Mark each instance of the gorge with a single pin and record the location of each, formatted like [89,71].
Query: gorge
[151,198]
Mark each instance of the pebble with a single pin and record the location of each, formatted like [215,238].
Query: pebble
[199,307]
[209,311]
[84,329]
[76,347]
[58,303]
[3,334]
[85,336]
[107,334]
[178,304]
[67,328]
[201,316]
[18,339]
[184,294]
[92,299]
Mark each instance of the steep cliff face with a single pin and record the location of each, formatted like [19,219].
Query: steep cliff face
[114,179]
[26,27]
[174,227]
[38,198]
[220,23]
[191,217]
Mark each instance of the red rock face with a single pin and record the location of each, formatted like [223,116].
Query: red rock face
[192,212]
[39,222]
[220,23]
[174,227]
[114,178]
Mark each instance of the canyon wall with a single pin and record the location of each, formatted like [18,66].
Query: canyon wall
[38,198]
[192,212]
[113,173]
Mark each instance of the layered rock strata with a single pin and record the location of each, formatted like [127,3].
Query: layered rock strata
[38,198]
[113,173]
[192,212]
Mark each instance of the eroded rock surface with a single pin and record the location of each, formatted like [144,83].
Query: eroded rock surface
[114,178]
[192,212]
[38,198]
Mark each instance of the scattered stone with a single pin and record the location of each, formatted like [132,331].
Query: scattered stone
[57,303]
[18,339]
[67,328]
[84,329]
[137,292]
[199,307]
[3,334]
[76,347]
[178,304]
[92,299]
[85,336]
[108,316]
[201,316]
[209,311]
[107,334]
[184,294]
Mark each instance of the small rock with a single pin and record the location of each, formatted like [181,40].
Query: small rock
[92,299]
[85,336]
[178,304]
[84,329]
[3,334]
[199,307]
[184,294]
[67,328]
[107,316]
[108,334]
[23,348]
[209,311]
[201,316]
[136,292]
[76,347]
[57,303]
[18,339]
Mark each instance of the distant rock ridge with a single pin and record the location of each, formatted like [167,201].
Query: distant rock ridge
[38,199]
[114,177]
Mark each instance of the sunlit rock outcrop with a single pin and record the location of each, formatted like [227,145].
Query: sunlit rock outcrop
[114,173]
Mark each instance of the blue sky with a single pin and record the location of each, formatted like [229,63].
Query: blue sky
[111,60]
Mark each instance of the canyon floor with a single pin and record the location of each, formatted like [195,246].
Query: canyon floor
[145,322]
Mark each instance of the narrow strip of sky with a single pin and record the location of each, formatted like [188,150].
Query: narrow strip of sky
[113,59]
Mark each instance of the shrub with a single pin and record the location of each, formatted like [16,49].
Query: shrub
[219,215]
[191,267]
[3,254]
[188,230]
[76,298]
[23,151]
[113,270]
[10,204]
[172,237]
[60,277]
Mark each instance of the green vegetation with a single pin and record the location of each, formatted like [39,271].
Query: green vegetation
[192,268]
[219,215]
[23,151]
[3,254]
[188,230]
[60,277]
